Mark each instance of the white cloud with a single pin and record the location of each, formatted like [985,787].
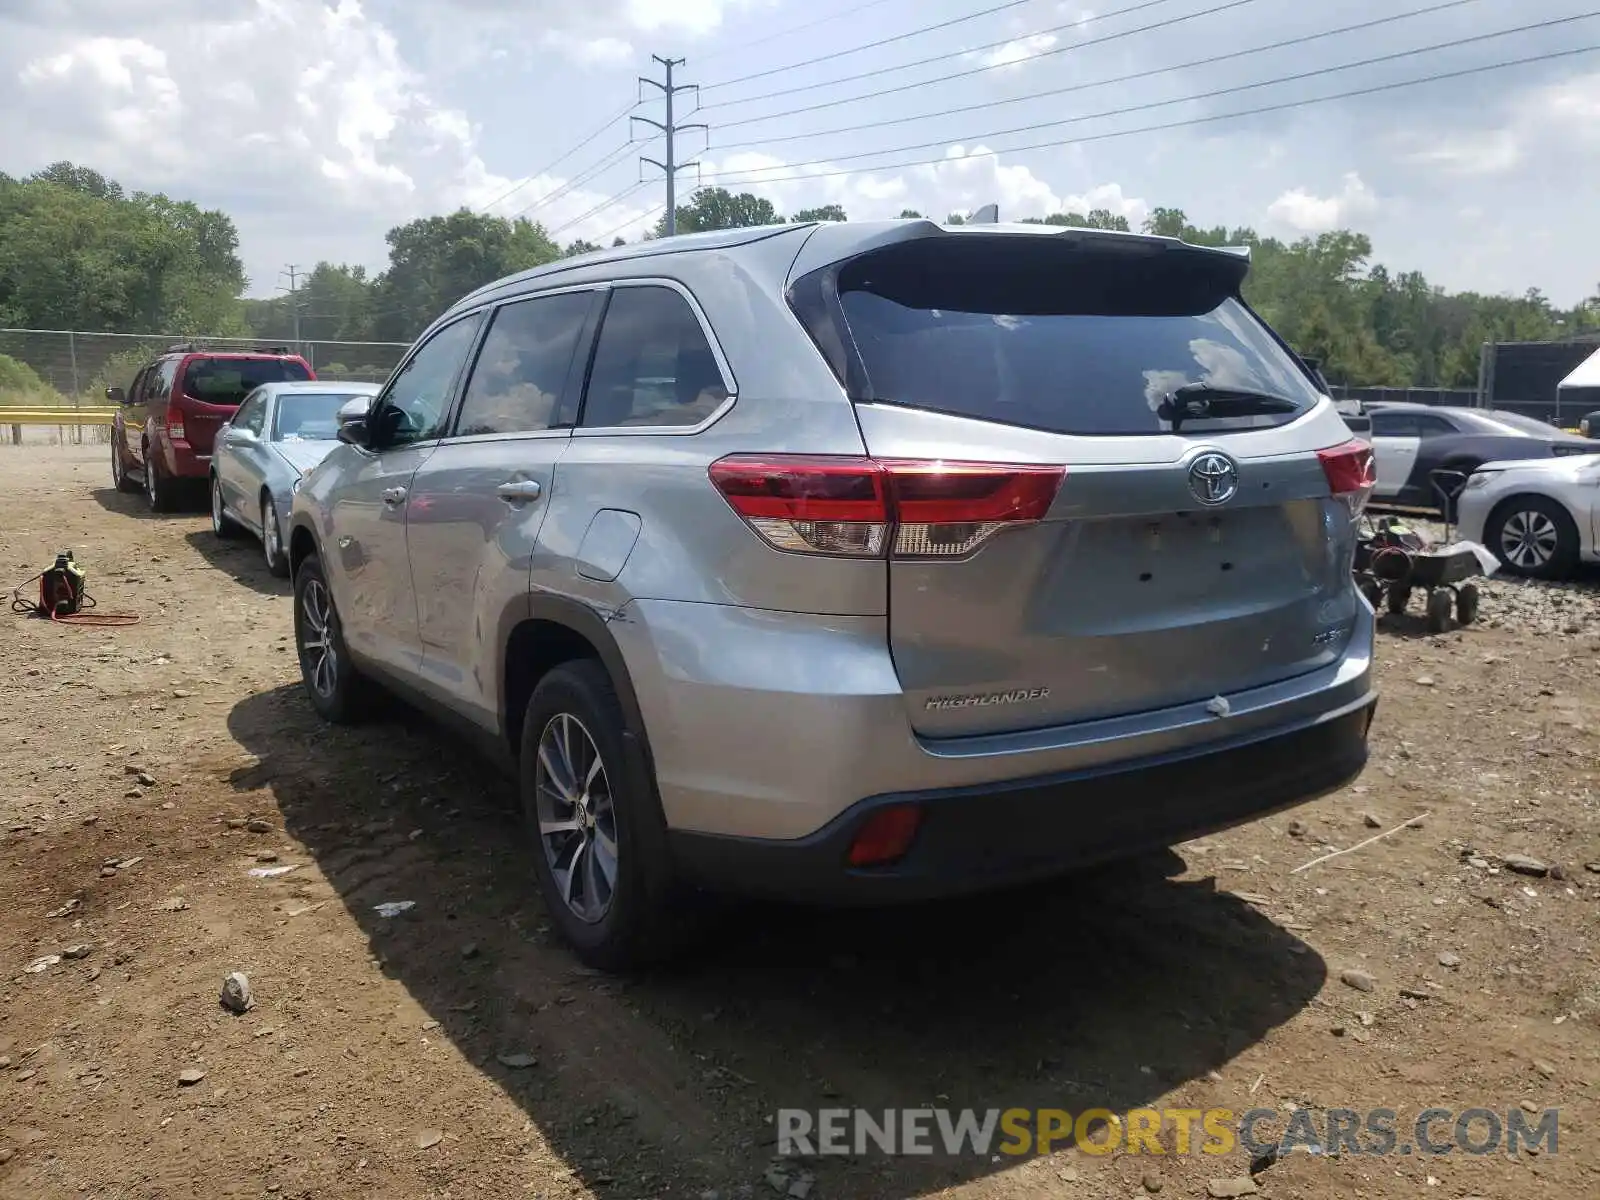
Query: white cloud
[1572,106]
[314,160]
[1304,212]
[1480,152]
[597,51]
[1011,53]
[966,179]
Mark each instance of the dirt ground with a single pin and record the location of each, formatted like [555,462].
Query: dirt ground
[457,1051]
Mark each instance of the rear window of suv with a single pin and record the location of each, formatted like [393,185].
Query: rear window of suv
[1074,336]
[230,380]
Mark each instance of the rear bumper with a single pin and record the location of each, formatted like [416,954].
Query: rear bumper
[993,835]
[181,461]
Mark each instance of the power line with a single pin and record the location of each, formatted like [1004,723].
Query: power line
[853,10]
[527,179]
[937,58]
[601,207]
[1211,95]
[645,216]
[887,41]
[1078,87]
[1184,124]
[583,177]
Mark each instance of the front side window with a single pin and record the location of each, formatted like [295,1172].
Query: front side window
[653,365]
[522,370]
[414,406]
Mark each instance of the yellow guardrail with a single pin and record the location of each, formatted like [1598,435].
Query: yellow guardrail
[46,415]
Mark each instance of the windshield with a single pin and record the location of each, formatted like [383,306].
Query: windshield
[230,380]
[309,416]
[1089,345]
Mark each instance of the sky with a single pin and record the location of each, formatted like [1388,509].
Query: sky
[318,125]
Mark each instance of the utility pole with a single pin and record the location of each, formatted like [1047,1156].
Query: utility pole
[670,129]
[294,274]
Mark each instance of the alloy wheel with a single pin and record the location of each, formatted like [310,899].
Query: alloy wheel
[219,515]
[319,653]
[577,817]
[1528,539]
[271,544]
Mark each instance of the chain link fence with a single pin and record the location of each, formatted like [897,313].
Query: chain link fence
[67,369]
[61,366]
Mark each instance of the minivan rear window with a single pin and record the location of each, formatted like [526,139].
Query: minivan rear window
[1078,337]
[230,380]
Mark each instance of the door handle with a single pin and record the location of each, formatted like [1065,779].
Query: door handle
[393,496]
[519,490]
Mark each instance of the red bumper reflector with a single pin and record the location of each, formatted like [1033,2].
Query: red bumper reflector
[885,836]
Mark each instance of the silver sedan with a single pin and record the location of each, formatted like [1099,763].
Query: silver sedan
[1540,517]
[277,434]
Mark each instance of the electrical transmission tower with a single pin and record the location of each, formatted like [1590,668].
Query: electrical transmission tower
[670,129]
[295,275]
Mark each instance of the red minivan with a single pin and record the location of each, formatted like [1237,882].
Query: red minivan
[162,432]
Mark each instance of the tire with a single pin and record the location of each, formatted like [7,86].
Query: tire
[336,689]
[1533,536]
[222,524]
[1396,597]
[119,468]
[159,491]
[272,538]
[1440,604]
[616,918]
[1467,597]
[1373,591]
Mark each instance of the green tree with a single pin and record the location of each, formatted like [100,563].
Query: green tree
[435,261]
[20,383]
[578,247]
[1098,218]
[910,214]
[78,253]
[718,208]
[827,212]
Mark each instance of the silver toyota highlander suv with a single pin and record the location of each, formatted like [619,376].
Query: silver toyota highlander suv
[851,562]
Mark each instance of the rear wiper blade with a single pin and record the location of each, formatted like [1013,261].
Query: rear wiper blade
[1200,400]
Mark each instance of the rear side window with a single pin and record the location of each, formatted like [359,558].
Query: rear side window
[1084,337]
[652,365]
[230,380]
[1395,424]
[522,370]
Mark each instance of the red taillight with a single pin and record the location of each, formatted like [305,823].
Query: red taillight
[885,836]
[864,506]
[1349,470]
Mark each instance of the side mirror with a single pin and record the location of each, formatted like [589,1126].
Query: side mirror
[353,421]
[116,395]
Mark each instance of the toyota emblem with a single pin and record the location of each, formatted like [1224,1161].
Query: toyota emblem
[1213,478]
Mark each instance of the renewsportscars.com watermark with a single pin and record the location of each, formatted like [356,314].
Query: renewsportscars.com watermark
[1214,1131]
